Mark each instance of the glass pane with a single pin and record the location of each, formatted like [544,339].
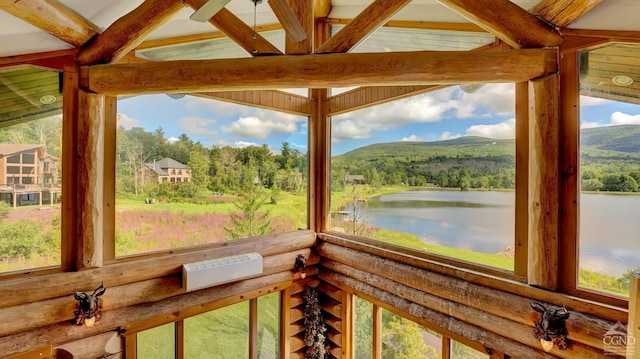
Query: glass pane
[461,351]
[192,171]
[363,329]
[157,343]
[30,195]
[609,167]
[404,339]
[268,326]
[433,172]
[221,334]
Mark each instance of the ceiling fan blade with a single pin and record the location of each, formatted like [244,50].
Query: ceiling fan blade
[206,11]
[288,19]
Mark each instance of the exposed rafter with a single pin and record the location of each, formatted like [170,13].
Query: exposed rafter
[238,31]
[321,8]
[370,19]
[320,71]
[128,32]
[54,18]
[563,12]
[507,21]
[294,30]
[303,9]
[268,99]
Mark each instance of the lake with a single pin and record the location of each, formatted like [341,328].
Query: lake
[483,221]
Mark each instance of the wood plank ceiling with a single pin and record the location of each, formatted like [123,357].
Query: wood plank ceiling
[25,92]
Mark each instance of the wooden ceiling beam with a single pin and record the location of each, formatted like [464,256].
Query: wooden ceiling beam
[267,99]
[128,32]
[563,12]
[368,21]
[54,18]
[289,20]
[238,31]
[509,22]
[321,8]
[324,71]
[303,9]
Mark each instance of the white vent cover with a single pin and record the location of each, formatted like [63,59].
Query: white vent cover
[220,270]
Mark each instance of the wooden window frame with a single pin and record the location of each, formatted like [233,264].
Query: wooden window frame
[570,165]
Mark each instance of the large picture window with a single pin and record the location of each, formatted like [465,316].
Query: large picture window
[608,249]
[192,171]
[435,173]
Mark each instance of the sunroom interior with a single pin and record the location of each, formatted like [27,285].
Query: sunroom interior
[327,283]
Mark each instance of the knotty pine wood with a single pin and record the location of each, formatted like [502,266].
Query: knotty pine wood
[563,12]
[303,9]
[294,31]
[269,99]
[319,71]
[544,182]
[367,96]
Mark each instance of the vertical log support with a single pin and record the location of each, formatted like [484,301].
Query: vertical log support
[633,328]
[522,179]
[109,202]
[92,113]
[304,12]
[253,328]
[544,182]
[285,323]
[69,244]
[348,309]
[377,333]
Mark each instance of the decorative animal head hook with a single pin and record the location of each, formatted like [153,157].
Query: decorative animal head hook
[300,266]
[89,308]
[550,329]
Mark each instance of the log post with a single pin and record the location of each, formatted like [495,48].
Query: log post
[633,328]
[544,182]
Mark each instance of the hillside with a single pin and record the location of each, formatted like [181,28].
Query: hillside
[478,162]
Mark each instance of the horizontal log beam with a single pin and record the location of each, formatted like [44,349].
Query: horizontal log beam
[20,291]
[583,328]
[519,332]
[430,318]
[319,71]
[133,318]
[417,259]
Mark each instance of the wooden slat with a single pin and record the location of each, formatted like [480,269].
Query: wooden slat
[563,12]
[238,31]
[544,182]
[53,17]
[269,99]
[421,25]
[324,71]
[369,96]
[506,20]
[128,31]
[370,19]
[303,9]
[612,35]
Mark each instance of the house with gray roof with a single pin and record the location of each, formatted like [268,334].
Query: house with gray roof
[166,170]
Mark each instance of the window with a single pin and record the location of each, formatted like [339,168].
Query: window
[608,249]
[28,158]
[241,175]
[434,173]
[157,342]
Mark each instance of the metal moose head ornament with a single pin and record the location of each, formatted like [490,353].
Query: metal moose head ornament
[550,329]
[89,308]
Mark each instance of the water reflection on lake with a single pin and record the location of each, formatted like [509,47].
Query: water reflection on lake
[484,222]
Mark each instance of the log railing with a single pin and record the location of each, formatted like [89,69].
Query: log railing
[498,319]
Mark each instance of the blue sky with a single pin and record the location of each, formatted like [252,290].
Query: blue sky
[439,115]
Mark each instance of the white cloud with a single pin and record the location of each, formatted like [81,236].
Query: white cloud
[490,99]
[592,101]
[194,125]
[411,138]
[619,118]
[262,127]
[590,124]
[127,122]
[172,139]
[506,129]
[243,144]
[446,135]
